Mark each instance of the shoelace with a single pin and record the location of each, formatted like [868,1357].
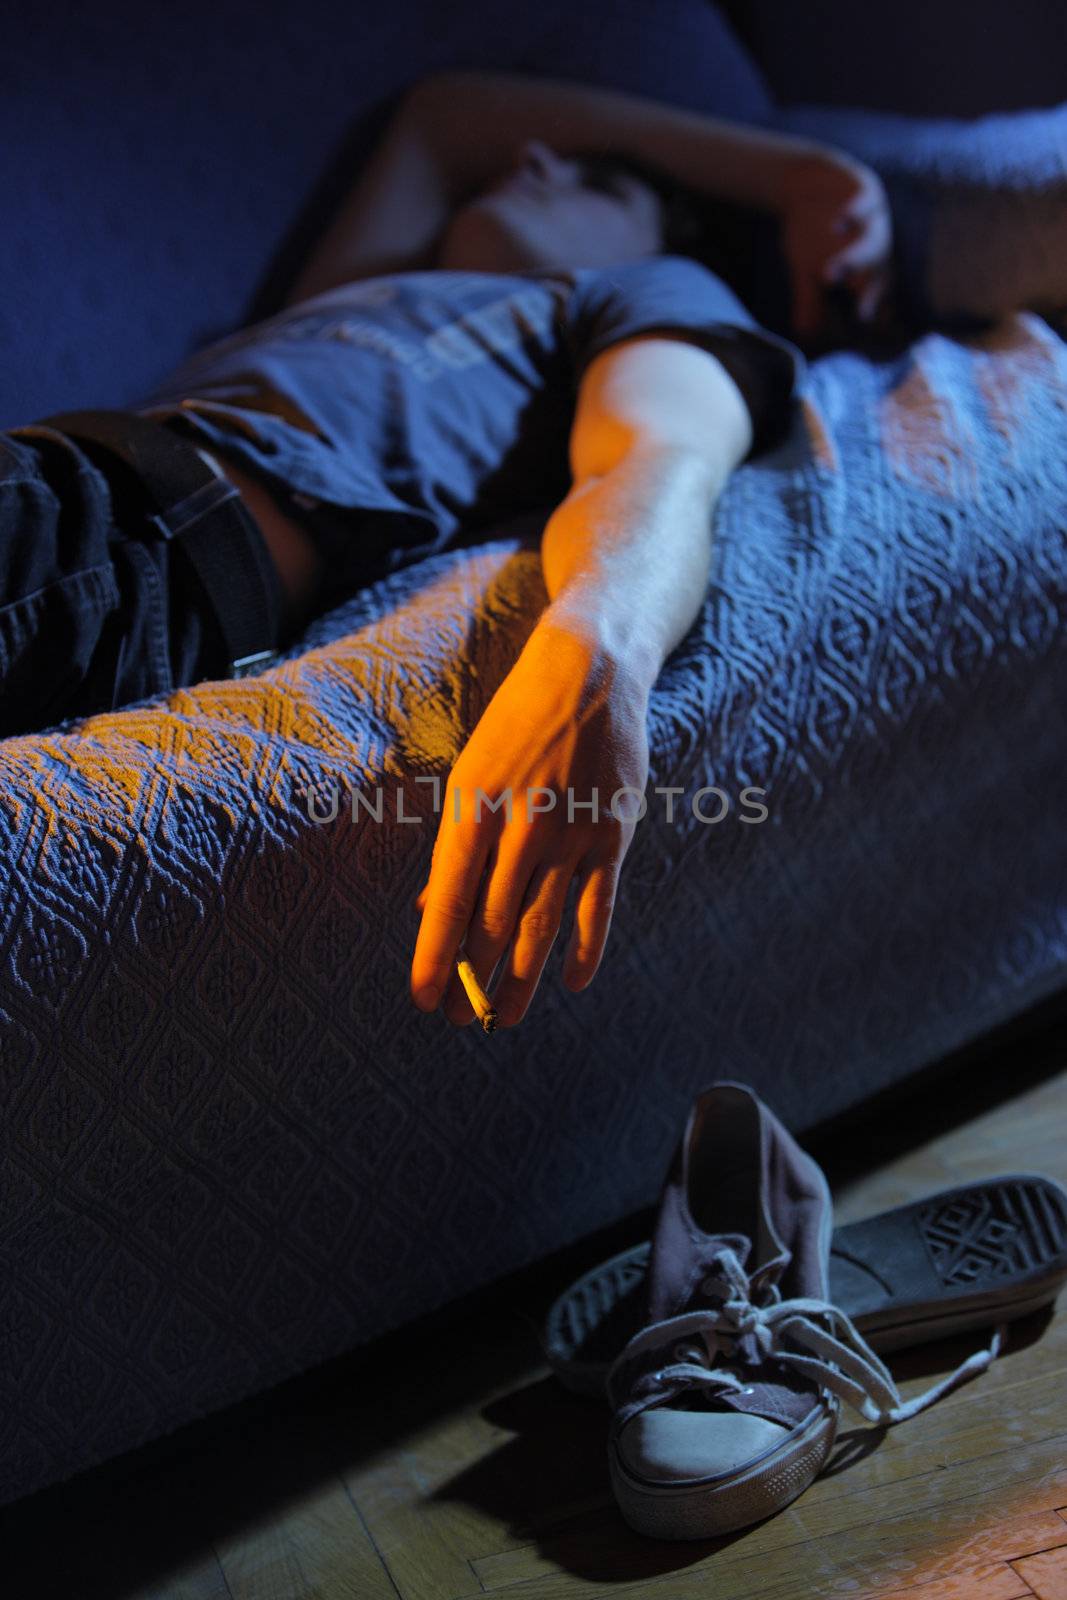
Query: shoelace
[841,1360]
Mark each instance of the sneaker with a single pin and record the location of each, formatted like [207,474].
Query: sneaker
[726,1400]
[964,1258]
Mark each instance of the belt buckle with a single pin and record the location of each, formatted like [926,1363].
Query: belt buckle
[248,666]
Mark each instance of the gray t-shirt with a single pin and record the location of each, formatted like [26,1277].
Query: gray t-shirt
[400,413]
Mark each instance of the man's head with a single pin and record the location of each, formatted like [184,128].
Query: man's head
[588,210]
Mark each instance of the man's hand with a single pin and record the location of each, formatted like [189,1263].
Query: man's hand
[836,228]
[567,716]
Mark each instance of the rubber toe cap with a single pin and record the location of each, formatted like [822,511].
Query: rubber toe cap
[663,1445]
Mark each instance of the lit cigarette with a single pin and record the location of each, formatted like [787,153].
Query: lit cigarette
[483,1006]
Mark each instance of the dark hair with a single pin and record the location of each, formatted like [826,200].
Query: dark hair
[711,231]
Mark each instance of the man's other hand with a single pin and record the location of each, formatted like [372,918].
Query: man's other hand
[836,228]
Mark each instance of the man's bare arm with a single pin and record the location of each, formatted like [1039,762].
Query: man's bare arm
[455,132]
[659,426]
[476,117]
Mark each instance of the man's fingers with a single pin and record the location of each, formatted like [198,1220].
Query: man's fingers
[450,895]
[597,886]
[538,924]
[492,920]
[868,290]
[863,205]
[867,252]
[849,221]
[873,293]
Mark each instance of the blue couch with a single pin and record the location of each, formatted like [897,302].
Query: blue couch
[230,1146]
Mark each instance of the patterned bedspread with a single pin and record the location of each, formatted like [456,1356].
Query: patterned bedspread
[231,1145]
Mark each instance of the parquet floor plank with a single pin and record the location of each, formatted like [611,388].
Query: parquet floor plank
[1046,1573]
[314,1546]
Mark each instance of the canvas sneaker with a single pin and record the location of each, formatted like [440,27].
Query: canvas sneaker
[726,1399]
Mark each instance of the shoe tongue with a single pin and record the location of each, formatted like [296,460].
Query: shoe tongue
[682,1257]
[713,1243]
[769,1391]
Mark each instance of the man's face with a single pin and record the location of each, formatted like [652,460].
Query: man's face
[546,213]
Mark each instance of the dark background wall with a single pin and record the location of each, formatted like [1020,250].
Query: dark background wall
[936,58]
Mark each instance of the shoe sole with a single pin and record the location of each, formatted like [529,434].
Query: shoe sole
[1018,1289]
[705,1509]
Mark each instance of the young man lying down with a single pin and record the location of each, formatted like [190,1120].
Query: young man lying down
[501,317]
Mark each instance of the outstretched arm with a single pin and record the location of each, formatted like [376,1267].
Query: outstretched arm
[659,426]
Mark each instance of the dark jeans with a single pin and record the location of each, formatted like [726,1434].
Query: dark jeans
[93,616]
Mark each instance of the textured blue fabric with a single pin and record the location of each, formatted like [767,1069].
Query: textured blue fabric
[231,1145]
[164,173]
[427,404]
[953,58]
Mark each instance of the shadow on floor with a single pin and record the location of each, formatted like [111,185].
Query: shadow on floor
[548,1485]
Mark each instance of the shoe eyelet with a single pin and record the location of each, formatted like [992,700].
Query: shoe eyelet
[748,1389]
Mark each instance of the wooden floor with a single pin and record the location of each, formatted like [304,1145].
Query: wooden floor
[448,1464]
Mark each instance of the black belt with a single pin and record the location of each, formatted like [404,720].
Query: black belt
[195,506]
